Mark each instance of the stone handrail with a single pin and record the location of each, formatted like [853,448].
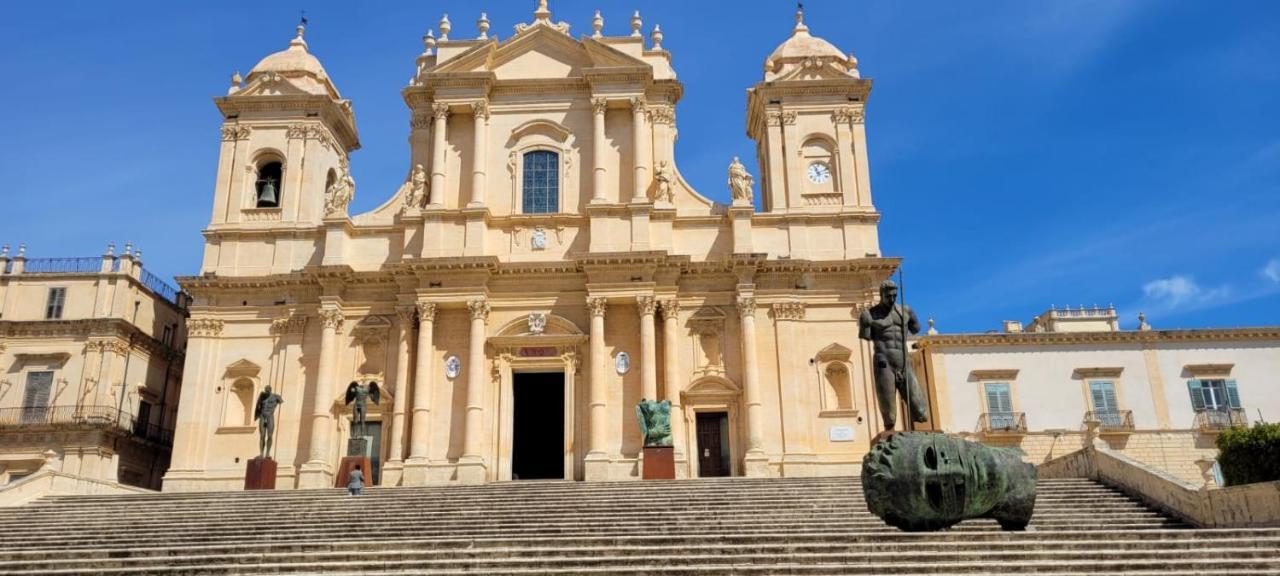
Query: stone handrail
[48,481]
[1233,507]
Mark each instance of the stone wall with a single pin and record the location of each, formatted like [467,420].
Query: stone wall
[1185,454]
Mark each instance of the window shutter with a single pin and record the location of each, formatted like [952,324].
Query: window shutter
[998,399]
[1233,395]
[1197,395]
[1104,396]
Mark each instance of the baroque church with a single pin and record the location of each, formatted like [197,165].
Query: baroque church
[543,268]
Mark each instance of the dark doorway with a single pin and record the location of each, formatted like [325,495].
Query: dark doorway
[373,430]
[713,444]
[537,433]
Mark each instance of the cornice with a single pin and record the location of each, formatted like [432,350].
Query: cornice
[97,328]
[332,113]
[1255,334]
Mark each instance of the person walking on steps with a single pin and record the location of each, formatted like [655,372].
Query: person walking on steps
[355,481]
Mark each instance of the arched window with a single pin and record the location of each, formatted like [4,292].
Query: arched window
[267,188]
[541,186]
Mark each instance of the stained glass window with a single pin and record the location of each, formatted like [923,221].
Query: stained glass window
[541,184]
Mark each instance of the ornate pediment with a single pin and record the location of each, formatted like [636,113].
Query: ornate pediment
[539,52]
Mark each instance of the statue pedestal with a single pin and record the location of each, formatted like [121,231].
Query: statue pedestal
[348,464]
[361,446]
[659,463]
[260,474]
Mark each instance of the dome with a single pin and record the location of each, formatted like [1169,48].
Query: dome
[298,65]
[804,49]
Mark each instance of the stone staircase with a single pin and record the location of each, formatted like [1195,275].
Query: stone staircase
[721,526]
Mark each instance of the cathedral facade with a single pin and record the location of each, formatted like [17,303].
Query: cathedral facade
[543,268]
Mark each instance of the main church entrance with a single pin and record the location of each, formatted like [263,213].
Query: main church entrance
[537,431]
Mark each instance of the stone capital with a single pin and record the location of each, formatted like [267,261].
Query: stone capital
[647,305]
[599,105]
[746,305]
[597,305]
[440,111]
[405,314]
[670,308]
[204,327]
[331,318]
[479,308]
[480,109]
[426,311]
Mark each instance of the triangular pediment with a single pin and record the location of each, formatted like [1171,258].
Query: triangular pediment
[540,52]
[243,367]
[834,352]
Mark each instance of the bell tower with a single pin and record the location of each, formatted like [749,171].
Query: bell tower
[286,137]
[806,117]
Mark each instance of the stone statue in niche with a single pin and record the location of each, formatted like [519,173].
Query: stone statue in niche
[537,322]
[415,189]
[452,367]
[339,194]
[740,182]
[539,239]
[662,177]
[655,422]
[265,413]
[361,394]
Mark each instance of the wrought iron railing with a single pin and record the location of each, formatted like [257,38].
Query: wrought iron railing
[1221,419]
[1002,422]
[87,265]
[160,287]
[107,417]
[1111,419]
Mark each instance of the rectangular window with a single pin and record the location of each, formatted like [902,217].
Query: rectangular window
[1102,395]
[141,423]
[999,405]
[53,308]
[1213,395]
[541,182]
[168,336]
[35,399]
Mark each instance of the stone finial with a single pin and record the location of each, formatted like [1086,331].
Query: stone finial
[636,23]
[297,39]
[50,459]
[22,250]
[932,328]
[542,13]
[656,36]
[111,249]
[597,25]
[236,80]
[4,251]
[800,26]
[483,26]
[445,27]
[1142,322]
[137,254]
[128,248]
[428,43]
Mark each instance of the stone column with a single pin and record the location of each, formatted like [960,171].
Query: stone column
[599,172]
[480,144]
[471,467]
[316,472]
[404,326]
[438,131]
[751,376]
[639,150]
[597,459]
[672,385]
[421,424]
[645,305]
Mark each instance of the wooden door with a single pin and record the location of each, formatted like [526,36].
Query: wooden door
[713,446]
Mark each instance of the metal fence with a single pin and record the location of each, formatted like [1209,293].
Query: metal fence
[155,284]
[1220,419]
[1112,419]
[1002,422]
[87,265]
[108,417]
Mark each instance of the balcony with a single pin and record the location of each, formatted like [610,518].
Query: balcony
[83,418]
[1003,423]
[1221,419]
[1112,420]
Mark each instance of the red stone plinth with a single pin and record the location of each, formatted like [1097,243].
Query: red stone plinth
[348,464]
[260,474]
[659,463]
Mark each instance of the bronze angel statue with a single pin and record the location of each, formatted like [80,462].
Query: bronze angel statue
[361,394]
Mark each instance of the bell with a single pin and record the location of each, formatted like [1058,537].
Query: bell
[267,194]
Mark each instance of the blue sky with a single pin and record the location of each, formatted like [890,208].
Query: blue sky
[1023,154]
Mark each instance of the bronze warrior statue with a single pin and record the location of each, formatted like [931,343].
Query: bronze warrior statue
[265,413]
[885,324]
[361,394]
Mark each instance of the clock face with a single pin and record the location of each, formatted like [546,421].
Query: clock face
[819,173]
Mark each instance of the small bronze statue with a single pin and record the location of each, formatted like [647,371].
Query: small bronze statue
[921,481]
[886,324]
[655,422]
[265,413]
[361,394]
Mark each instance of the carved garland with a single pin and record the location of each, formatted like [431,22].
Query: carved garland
[849,114]
[788,310]
[294,324]
[233,133]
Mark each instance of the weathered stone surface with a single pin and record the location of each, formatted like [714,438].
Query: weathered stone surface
[927,481]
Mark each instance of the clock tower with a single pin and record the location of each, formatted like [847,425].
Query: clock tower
[806,117]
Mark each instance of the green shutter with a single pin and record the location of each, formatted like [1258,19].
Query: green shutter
[1197,395]
[1103,394]
[998,398]
[1233,395]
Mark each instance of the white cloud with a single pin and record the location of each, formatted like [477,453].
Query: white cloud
[1272,270]
[1182,291]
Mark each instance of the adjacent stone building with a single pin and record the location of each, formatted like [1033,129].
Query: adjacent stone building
[91,360]
[1072,377]
[542,269]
